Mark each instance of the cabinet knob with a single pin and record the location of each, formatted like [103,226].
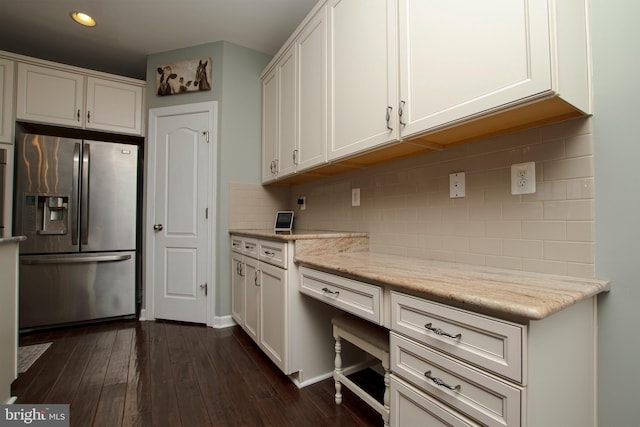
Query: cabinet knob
[157,227]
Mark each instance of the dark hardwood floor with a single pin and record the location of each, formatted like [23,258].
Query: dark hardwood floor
[130,373]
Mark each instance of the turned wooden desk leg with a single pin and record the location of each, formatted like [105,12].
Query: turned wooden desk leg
[386,415]
[338,370]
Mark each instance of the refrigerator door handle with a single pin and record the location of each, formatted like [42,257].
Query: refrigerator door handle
[74,198]
[74,260]
[84,209]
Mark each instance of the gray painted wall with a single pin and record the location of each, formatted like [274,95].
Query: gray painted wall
[237,88]
[616,127]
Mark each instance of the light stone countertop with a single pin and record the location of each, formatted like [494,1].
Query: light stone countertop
[12,239]
[510,294]
[297,234]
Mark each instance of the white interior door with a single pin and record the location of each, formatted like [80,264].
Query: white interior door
[179,221]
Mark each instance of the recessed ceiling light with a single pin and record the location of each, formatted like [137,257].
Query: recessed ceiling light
[83,19]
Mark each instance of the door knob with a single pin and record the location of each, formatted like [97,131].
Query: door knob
[157,227]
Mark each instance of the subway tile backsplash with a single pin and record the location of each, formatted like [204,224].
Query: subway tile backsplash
[405,204]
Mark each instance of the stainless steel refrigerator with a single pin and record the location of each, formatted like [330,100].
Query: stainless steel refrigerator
[75,201]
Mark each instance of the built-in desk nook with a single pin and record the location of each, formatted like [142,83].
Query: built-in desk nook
[469,345]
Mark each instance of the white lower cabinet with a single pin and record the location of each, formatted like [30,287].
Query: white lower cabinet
[272,282]
[291,329]
[259,295]
[459,368]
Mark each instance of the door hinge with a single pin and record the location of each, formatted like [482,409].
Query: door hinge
[205,133]
[206,288]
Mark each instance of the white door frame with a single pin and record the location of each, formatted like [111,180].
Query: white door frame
[147,312]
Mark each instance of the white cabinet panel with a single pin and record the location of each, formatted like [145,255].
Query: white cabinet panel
[362,75]
[50,96]
[6,100]
[251,298]
[273,313]
[312,93]
[237,287]
[462,58]
[270,126]
[286,72]
[60,97]
[114,106]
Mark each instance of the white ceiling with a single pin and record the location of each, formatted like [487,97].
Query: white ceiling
[129,30]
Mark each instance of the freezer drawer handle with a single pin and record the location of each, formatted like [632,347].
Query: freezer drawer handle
[74,260]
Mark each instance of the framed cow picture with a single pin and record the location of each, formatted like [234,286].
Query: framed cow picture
[184,77]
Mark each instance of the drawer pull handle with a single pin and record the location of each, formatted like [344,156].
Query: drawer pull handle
[437,381]
[440,332]
[269,253]
[329,291]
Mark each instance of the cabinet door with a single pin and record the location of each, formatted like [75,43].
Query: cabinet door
[252,298]
[270,126]
[113,106]
[286,71]
[237,287]
[312,93]
[49,96]
[462,58]
[273,313]
[6,101]
[362,74]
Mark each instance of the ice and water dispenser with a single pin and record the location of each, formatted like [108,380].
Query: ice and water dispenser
[46,214]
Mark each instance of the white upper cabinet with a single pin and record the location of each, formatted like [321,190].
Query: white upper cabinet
[467,59]
[464,57]
[278,119]
[408,76]
[6,100]
[311,48]
[363,81]
[270,126]
[50,96]
[113,106]
[294,94]
[69,98]
[286,75]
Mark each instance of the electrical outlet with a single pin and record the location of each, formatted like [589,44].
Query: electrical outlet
[355,197]
[302,202]
[456,185]
[523,178]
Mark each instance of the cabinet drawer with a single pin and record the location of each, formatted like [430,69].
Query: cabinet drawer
[361,299]
[489,343]
[412,407]
[487,399]
[250,247]
[273,253]
[237,244]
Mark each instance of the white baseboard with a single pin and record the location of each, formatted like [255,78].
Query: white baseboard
[220,322]
[295,377]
